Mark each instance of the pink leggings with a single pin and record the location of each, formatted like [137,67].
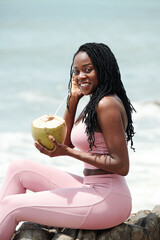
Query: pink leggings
[61,199]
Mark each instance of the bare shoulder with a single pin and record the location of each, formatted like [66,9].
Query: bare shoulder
[109,102]
[113,108]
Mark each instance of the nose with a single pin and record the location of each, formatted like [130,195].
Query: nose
[82,75]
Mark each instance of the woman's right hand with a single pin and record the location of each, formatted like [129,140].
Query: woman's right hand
[75,90]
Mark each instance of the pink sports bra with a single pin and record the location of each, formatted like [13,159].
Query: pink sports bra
[80,140]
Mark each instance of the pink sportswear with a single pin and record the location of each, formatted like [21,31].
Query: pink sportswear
[61,199]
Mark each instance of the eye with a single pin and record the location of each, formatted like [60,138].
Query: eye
[88,70]
[76,72]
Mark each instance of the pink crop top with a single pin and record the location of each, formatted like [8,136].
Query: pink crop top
[80,140]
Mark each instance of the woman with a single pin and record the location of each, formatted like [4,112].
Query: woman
[100,199]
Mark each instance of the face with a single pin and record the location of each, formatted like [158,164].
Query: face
[84,73]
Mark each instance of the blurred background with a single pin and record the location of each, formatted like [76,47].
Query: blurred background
[37,42]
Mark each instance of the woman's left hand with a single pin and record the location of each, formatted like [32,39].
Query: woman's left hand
[59,149]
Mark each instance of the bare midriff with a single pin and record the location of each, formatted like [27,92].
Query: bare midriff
[90,172]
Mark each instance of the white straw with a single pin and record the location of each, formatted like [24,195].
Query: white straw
[60,105]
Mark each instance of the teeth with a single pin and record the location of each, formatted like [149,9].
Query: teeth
[84,84]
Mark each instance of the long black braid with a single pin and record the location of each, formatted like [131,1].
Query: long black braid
[109,83]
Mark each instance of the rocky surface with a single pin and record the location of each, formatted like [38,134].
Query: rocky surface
[143,225]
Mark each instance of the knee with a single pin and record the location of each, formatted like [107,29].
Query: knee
[17,165]
[8,204]
[9,207]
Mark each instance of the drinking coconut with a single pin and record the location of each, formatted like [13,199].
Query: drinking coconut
[47,125]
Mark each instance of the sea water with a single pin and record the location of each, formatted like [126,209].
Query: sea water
[37,42]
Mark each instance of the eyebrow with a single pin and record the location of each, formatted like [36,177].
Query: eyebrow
[84,65]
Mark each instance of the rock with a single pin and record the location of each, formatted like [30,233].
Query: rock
[86,235]
[143,225]
[33,231]
[33,234]
[156,210]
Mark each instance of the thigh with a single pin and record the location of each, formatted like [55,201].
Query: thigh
[68,207]
[40,177]
[24,174]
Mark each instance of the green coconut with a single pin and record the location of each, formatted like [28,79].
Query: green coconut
[47,125]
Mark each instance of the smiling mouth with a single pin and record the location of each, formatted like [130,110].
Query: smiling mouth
[84,84]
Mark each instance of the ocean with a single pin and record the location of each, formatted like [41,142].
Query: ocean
[37,42]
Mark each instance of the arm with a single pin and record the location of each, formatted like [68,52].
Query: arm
[112,121]
[69,116]
[109,114]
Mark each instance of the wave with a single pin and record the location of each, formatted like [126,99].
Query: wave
[18,145]
[31,96]
[35,97]
[147,109]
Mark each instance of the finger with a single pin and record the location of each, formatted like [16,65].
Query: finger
[44,150]
[41,148]
[38,146]
[53,140]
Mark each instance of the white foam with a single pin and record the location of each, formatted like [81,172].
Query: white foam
[147,110]
[36,97]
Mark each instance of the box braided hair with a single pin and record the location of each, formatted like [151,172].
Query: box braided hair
[109,83]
